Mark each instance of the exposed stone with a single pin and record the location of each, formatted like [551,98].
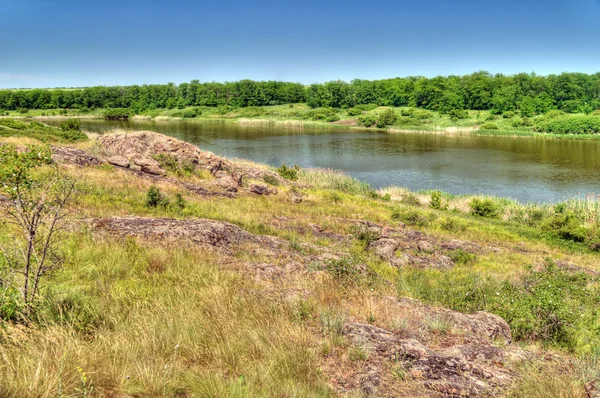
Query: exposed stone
[226,182]
[199,231]
[592,388]
[425,246]
[120,161]
[70,155]
[259,189]
[149,165]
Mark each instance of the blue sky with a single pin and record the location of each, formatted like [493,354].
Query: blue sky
[54,43]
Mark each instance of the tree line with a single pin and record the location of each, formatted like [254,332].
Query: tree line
[527,93]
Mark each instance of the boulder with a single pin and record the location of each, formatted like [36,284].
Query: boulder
[259,189]
[119,161]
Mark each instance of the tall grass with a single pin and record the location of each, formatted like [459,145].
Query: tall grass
[331,179]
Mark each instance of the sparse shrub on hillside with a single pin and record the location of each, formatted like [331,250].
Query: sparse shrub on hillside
[366,107]
[154,198]
[364,234]
[410,217]
[289,173]
[436,200]
[484,208]
[508,115]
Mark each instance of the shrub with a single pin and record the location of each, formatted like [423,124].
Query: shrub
[578,124]
[410,217]
[117,114]
[460,256]
[223,109]
[456,114]
[354,111]
[190,113]
[452,224]
[410,199]
[343,269]
[333,118]
[565,226]
[289,173]
[23,111]
[484,208]
[387,118]
[436,200]
[180,202]
[364,234]
[269,179]
[71,125]
[154,198]
[489,126]
[367,120]
[508,115]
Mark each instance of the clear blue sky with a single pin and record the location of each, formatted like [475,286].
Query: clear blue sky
[50,43]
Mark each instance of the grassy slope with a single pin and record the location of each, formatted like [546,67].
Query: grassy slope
[126,317]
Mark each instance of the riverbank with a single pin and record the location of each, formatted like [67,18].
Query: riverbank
[367,118]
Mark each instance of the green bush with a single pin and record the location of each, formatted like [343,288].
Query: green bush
[364,234]
[410,217]
[456,114]
[484,208]
[71,125]
[367,120]
[354,111]
[289,173]
[565,226]
[489,126]
[333,118]
[387,118]
[577,124]
[190,113]
[436,200]
[154,198]
[508,115]
[117,114]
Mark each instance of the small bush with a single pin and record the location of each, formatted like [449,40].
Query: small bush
[436,200]
[354,112]
[71,125]
[366,107]
[489,126]
[452,224]
[364,234]
[289,173]
[332,118]
[411,200]
[484,208]
[387,118]
[154,198]
[269,179]
[456,114]
[410,217]
[190,113]
[565,226]
[343,269]
[117,114]
[508,115]
[367,120]
[462,257]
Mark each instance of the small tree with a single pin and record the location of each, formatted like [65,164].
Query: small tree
[37,207]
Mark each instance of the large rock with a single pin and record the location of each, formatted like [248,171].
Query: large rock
[119,161]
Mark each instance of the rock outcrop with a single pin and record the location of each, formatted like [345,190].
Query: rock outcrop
[142,148]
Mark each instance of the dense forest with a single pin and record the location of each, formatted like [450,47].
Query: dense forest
[527,93]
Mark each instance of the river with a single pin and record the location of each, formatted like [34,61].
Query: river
[523,168]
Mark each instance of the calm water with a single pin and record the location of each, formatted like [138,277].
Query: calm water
[527,169]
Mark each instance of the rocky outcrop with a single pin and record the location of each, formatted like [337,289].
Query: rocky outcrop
[199,231]
[402,246]
[142,148]
[466,361]
[70,155]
